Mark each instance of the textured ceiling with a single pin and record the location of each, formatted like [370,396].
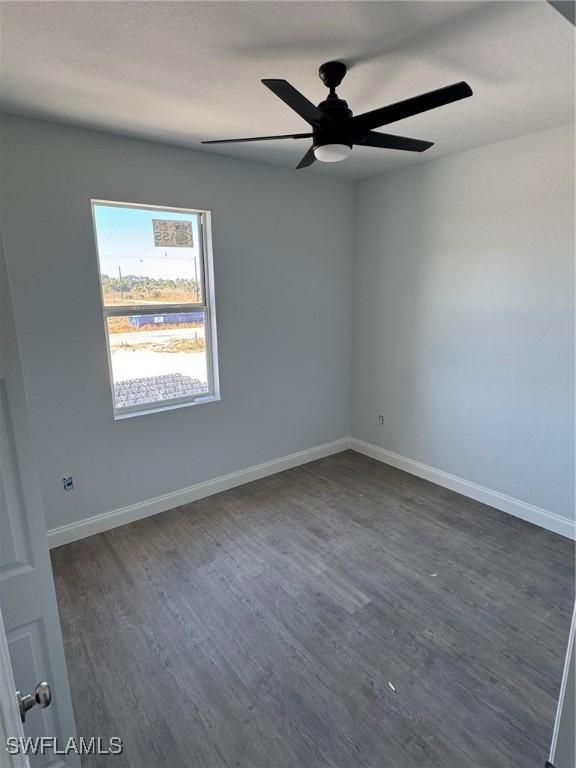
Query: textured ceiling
[179,72]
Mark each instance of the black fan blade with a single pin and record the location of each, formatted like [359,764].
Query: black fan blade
[388,141]
[260,138]
[295,100]
[308,159]
[409,107]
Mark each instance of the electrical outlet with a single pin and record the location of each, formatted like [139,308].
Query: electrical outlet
[68,483]
[381,419]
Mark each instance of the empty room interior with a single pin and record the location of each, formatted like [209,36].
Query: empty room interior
[287,460]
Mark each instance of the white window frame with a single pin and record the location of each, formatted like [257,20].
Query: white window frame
[208,307]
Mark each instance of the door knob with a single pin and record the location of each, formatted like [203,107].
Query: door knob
[41,696]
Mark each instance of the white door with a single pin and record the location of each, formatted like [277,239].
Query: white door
[27,596]
[563,750]
[10,723]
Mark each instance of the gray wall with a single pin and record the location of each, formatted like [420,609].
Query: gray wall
[462,314]
[283,268]
[463,330]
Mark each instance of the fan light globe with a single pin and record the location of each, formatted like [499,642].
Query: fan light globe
[332,153]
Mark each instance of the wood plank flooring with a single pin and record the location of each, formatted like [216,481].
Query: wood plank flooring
[342,614]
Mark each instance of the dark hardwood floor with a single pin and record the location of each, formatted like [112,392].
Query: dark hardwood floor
[340,614]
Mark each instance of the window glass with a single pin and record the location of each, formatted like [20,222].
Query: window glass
[148,256]
[158,357]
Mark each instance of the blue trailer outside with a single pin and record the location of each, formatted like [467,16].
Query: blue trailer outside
[166,318]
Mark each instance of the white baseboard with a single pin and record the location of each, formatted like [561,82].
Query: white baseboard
[108,520]
[536,515]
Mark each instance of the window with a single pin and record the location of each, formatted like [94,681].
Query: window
[157,299]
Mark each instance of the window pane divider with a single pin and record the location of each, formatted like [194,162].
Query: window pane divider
[121,310]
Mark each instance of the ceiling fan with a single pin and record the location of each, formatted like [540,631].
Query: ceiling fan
[335,130]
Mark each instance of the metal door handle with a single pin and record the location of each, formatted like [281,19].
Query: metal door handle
[41,696]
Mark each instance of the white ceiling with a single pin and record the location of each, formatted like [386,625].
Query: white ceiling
[179,72]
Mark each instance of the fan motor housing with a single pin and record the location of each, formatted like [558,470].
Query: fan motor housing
[336,109]
[333,129]
[322,136]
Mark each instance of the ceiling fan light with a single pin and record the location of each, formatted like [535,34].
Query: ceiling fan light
[332,153]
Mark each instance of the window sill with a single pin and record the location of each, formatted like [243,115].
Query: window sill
[158,407]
